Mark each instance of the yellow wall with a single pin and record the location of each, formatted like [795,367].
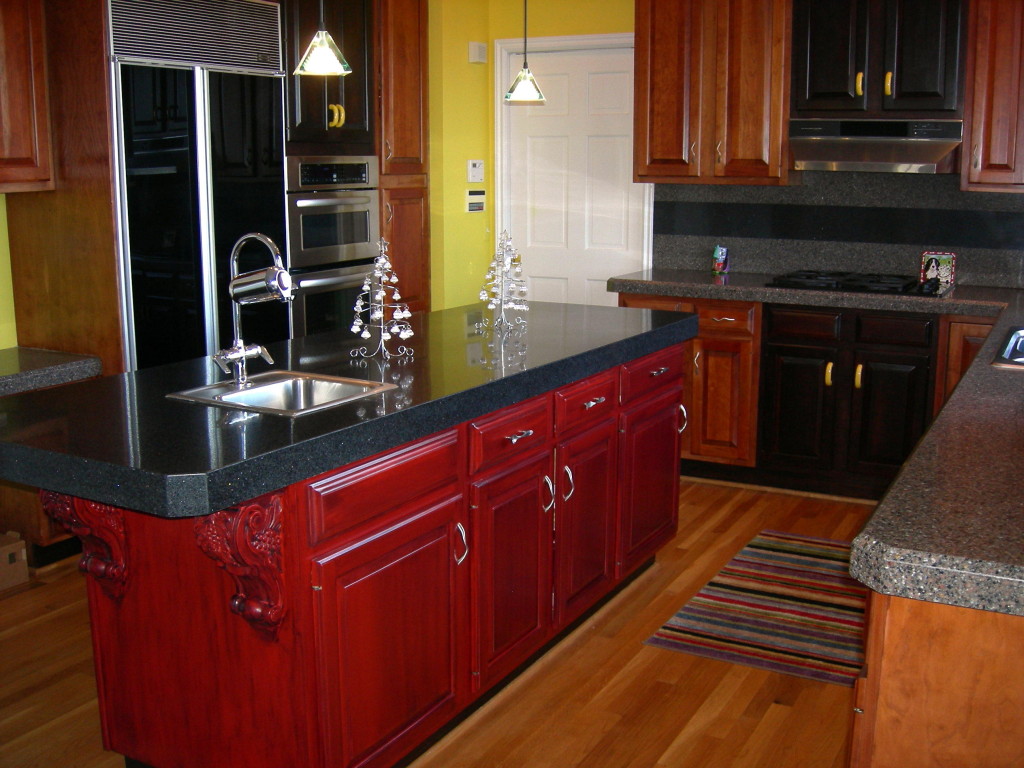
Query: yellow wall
[462,113]
[8,336]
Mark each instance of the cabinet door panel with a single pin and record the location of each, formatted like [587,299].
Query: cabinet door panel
[830,53]
[922,55]
[390,637]
[798,406]
[667,93]
[403,57]
[889,409]
[648,479]
[585,519]
[751,97]
[405,227]
[994,116]
[722,382]
[511,554]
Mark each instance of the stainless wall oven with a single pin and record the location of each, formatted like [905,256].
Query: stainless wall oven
[333,218]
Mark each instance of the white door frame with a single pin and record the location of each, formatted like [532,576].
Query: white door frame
[507,53]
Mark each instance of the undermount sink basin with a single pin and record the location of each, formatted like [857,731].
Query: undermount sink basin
[1011,351]
[286,393]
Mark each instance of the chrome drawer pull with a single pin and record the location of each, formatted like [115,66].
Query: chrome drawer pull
[519,436]
[724,319]
[659,371]
[686,419]
[572,483]
[551,490]
[465,543]
[591,403]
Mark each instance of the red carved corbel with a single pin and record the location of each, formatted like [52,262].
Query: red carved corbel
[102,532]
[245,541]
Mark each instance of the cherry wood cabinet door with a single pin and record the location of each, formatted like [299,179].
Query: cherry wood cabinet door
[667,91]
[25,161]
[751,89]
[648,478]
[511,551]
[392,653]
[723,398]
[993,152]
[585,520]
[960,339]
[402,44]
[405,225]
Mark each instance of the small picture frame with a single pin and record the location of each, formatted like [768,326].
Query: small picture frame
[939,264]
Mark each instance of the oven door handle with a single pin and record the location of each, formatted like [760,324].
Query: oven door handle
[333,202]
[333,281]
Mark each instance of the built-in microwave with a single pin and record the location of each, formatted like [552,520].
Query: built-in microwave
[333,211]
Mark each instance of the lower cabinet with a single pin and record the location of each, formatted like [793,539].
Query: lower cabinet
[960,338]
[845,394]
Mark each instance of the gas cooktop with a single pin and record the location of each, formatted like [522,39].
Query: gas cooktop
[860,282]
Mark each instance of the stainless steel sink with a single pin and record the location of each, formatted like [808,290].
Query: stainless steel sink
[1011,351]
[286,393]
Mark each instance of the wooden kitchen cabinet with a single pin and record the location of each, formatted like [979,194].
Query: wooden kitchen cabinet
[859,58]
[845,394]
[722,371]
[405,225]
[402,51]
[711,91]
[992,158]
[960,338]
[25,153]
[941,685]
[330,115]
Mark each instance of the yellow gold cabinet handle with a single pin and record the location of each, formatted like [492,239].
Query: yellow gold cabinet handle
[888,83]
[337,116]
[858,376]
[828,375]
[858,88]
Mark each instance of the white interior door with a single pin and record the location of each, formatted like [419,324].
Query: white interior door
[572,208]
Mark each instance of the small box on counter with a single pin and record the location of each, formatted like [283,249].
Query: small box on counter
[13,561]
[941,265]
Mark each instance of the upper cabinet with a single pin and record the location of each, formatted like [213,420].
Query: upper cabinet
[25,160]
[877,58]
[711,91]
[336,111]
[402,47]
[993,155]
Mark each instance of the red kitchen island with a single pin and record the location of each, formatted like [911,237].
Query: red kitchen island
[331,589]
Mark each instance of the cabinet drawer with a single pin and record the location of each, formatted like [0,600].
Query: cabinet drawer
[511,432]
[823,325]
[726,316]
[588,402]
[347,500]
[649,374]
[904,331]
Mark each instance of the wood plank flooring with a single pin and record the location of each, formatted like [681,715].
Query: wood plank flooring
[600,699]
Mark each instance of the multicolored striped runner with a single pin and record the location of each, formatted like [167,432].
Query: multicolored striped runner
[785,603]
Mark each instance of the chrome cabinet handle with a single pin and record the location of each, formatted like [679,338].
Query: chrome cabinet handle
[387,150]
[693,148]
[519,436]
[724,319]
[977,157]
[390,211]
[572,483]
[465,544]
[696,364]
[591,403]
[660,371]
[686,419]
[718,152]
[551,490]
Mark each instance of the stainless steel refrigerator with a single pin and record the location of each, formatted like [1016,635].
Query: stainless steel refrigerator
[200,137]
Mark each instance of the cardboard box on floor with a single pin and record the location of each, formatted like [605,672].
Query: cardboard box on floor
[13,561]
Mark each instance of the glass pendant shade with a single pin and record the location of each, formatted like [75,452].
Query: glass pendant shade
[524,89]
[323,57]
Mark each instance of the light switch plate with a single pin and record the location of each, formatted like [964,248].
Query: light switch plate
[474,171]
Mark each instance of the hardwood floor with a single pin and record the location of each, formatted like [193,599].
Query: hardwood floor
[600,699]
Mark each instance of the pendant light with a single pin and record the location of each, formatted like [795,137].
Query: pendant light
[524,89]
[323,57]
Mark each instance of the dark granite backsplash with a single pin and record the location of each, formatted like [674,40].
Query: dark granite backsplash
[864,222]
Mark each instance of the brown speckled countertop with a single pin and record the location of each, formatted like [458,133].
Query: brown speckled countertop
[950,529]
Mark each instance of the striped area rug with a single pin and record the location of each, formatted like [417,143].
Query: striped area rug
[785,603]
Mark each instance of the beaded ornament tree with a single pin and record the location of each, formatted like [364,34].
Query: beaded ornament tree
[385,313]
[504,287]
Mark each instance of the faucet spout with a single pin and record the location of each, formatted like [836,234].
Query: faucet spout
[269,284]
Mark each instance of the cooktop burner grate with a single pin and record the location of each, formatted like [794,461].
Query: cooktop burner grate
[845,281]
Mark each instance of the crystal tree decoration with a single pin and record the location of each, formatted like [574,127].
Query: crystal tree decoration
[504,287]
[382,304]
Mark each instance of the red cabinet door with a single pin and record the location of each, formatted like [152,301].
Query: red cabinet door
[391,636]
[649,478]
[584,520]
[511,548]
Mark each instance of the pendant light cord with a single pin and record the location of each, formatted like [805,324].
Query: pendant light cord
[525,4]
[322,25]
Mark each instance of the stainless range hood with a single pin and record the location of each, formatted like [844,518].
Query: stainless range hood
[890,146]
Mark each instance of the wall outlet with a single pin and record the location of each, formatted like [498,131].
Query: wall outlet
[474,171]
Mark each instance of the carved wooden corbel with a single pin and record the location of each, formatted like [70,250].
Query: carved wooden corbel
[245,541]
[102,532]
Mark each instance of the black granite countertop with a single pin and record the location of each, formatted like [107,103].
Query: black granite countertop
[24,368]
[950,529]
[119,440]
